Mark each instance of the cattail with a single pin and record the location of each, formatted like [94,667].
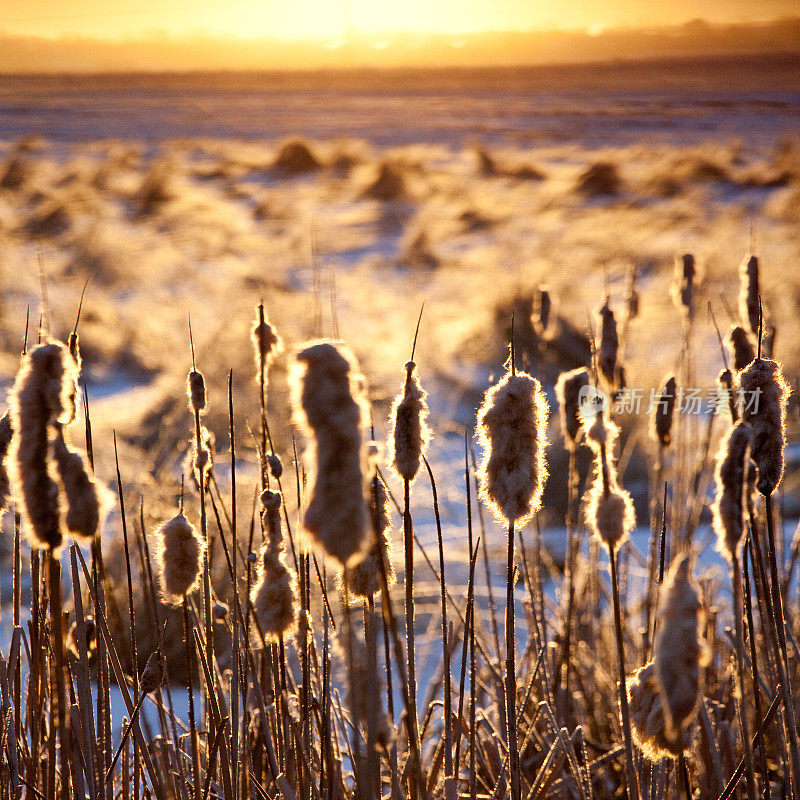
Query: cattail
[80,491]
[153,673]
[74,347]
[684,284]
[663,413]
[631,294]
[275,466]
[609,343]
[274,595]
[410,431]
[363,578]
[749,293]
[180,558]
[40,398]
[512,428]
[328,398]
[728,509]
[765,394]
[725,387]
[678,652]
[265,340]
[6,433]
[90,637]
[741,347]
[568,393]
[647,716]
[196,391]
[202,454]
[543,313]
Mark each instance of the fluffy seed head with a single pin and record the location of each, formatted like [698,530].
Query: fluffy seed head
[512,426]
[568,388]
[647,716]
[684,284]
[6,433]
[328,399]
[40,399]
[266,342]
[729,507]
[741,347]
[765,394]
[80,491]
[749,293]
[678,652]
[196,390]
[610,514]
[410,431]
[609,343]
[180,558]
[664,413]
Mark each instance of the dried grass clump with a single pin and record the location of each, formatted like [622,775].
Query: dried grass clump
[410,431]
[329,404]
[664,413]
[157,187]
[600,179]
[678,652]
[80,491]
[179,555]
[295,158]
[40,399]
[741,347]
[647,716]
[568,390]
[729,506]
[608,349]
[274,594]
[749,293]
[765,394]
[388,184]
[512,429]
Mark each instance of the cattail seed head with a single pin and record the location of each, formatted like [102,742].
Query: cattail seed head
[543,312]
[154,672]
[568,389]
[275,466]
[410,431]
[632,294]
[265,340]
[664,413]
[678,652]
[749,293]
[180,550]
[6,433]
[202,454]
[647,716]
[196,391]
[601,431]
[725,385]
[329,404]
[741,347]
[765,394]
[728,509]
[80,491]
[683,285]
[40,399]
[512,426]
[609,343]
[610,514]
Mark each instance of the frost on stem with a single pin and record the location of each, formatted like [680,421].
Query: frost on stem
[328,398]
[512,425]
[410,431]
[179,552]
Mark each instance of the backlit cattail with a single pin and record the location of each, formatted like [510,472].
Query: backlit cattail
[328,399]
[609,343]
[40,398]
[741,347]
[275,466]
[647,716]
[678,652]
[73,345]
[179,552]
[265,340]
[512,426]
[80,491]
[749,293]
[664,413]
[568,392]
[274,595]
[410,431]
[196,390]
[5,440]
[728,509]
[683,285]
[764,396]
[725,387]
[363,578]
[543,313]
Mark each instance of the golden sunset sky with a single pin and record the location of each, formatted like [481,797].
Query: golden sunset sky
[335,19]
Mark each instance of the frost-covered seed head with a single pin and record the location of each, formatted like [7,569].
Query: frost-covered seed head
[266,342]
[609,512]
[180,558]
[196,390]
[512,426]
[410,431]
[80,491]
